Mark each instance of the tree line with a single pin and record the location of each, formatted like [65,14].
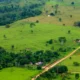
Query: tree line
[9,59]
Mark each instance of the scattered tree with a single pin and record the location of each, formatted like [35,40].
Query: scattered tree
[7,26]
[77,76]
[61,69]
[62,40]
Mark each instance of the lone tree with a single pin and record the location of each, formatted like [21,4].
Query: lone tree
[61,69]
[69,31]
[72,3]
[7,26]
[12,47]
[50,41]
[37,21]
[60,19]
[52,14]
[4,36]
[76,64]
[71,16]
[32,25]
[32,31]
[77,76]
[62,40]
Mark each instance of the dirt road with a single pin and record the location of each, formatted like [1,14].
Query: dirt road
[54,64]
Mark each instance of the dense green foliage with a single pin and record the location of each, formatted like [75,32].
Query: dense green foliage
[23,58]
[53,73]
[11,10]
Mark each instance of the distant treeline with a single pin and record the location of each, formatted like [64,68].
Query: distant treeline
[9,59]
[12,10]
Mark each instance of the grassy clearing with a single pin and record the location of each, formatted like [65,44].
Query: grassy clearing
[17,74]
[65,9]
[69,62]
[65,2]
[21,37]
[70,76]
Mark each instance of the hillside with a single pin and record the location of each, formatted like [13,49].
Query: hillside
[67,13]
[12,10]
[22,36]
[35,34]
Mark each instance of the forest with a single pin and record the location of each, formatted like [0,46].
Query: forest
[9,59]
[12,10]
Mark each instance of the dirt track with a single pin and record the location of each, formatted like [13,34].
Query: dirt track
[54,64]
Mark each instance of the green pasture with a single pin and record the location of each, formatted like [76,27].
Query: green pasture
[17,74]
[20,35]
[70,62]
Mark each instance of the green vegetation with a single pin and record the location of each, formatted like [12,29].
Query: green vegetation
[14,73]
[12,10]
[73,63]
[50,30]
[69,69]
[60,13]
[20,35]
[26,59]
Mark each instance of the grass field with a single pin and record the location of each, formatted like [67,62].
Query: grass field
[69,62]
[17,74]
[64,3]
[71,68]
[65,9]
[70,76]
[19,35]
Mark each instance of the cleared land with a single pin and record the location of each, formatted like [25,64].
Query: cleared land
[65,10]
[19,35]
[23,37]
[17,74]
[70,62]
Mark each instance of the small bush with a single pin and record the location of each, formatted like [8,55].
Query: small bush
[7,26]
[76,64]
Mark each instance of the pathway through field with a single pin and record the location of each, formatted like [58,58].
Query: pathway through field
[54,64]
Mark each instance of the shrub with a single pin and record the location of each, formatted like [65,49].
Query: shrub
[50,41]
[76,64]
[39,67]
[77,76]
[77,23]
[7,26]
[52,14]
[61,69]
[37,21]
[60,19]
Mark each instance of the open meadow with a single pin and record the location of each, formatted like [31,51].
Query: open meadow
[73,63]
[21,36]
[15,73]
[49,29]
